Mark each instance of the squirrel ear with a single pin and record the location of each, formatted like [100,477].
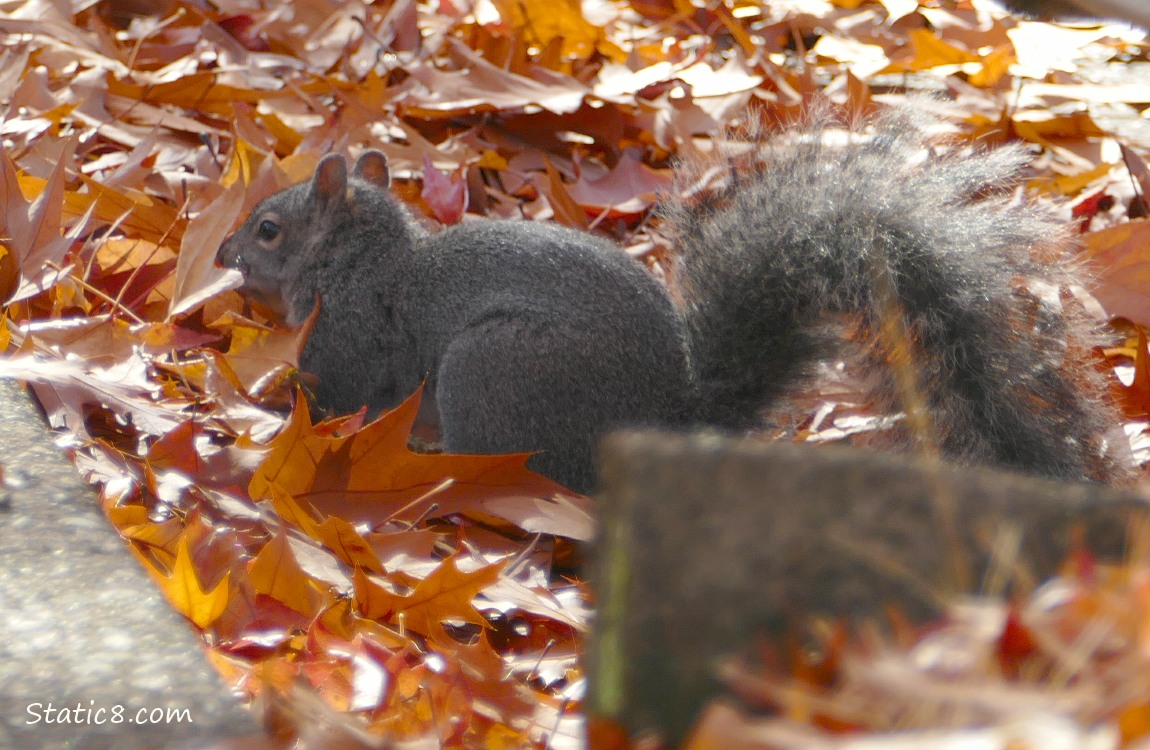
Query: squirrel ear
[372,166]
[329,185]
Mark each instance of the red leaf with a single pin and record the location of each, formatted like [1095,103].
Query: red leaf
[445,194]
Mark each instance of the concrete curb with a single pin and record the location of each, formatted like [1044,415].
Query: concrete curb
[83,630]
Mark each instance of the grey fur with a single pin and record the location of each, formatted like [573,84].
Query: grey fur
[533,337]
[807,228]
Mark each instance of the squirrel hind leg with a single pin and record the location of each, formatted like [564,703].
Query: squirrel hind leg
[514,386]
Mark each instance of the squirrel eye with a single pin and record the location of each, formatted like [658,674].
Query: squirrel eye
[268,230]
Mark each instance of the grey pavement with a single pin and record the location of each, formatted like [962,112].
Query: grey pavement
[91,656]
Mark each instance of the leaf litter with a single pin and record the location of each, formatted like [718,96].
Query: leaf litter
[341,578]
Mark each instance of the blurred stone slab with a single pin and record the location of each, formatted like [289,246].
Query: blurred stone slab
[81,625]
[707,541]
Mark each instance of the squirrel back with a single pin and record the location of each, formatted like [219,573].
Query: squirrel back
[533,337]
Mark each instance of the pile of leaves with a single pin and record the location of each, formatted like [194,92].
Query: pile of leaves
[333,572]
[1064,667]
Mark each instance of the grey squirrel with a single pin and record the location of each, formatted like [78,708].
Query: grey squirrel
[535,337]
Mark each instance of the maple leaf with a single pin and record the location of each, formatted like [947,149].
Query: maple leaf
[446,594]
[371,475]
[183,589]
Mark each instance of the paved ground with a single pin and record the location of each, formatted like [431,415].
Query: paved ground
[81,625]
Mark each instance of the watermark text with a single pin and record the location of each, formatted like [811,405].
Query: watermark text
[91,714]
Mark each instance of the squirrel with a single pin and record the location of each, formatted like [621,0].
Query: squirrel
[531,337]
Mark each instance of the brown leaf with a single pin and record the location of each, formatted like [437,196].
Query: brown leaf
[64,387]
[445,194]
[1141,174]
[32,233]
[371,476]
[628,190]
[1120,259]
[486,88]
[197,275]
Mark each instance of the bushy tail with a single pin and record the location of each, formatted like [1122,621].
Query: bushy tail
[884,231]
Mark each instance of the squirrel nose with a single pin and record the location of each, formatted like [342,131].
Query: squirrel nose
[228,257]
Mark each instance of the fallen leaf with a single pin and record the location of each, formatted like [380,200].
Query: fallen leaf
[183,589]
[371,476]
[445,594]
[274,572]
[1120,258]
[197,275]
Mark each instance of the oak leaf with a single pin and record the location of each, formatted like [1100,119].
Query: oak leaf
[336,534]
[197,275]
[275,573]
[446,594]
[371,476]
[1120,257]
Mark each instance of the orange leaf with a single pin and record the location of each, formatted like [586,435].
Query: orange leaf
[275,572]
[930,51]
[370,475]
[197,92]
[541,21]
[259,356]
[994,67]
[1136,396]
[1120,258]
[336,534]
[132,210]
[186,594]
[1134,722]
[445,594]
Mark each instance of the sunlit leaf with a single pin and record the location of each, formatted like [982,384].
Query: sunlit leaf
[184,590]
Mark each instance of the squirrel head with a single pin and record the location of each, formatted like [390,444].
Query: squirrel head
[292,233]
